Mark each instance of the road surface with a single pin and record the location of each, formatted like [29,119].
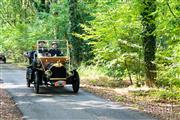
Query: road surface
[62,103]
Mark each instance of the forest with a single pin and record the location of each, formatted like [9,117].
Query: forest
[115,42]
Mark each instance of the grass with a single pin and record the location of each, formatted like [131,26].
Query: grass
[93,75]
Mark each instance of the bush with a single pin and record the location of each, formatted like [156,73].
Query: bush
[95,75]
[169,94]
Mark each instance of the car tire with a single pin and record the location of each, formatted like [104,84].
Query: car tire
[36,82]
[76,82]
[28,81]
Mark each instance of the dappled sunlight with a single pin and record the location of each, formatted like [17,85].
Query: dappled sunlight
[12,86]
[60,101]
[126,51]
[24,102]
[96,104]
[46,100]
[124,91]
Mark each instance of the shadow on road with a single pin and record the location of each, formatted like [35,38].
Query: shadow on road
[56,90]
[22,89]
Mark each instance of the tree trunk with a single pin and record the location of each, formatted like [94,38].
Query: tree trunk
[129,74]
[74,28]
[42,6]
[149,40]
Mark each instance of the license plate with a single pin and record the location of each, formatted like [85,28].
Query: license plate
[60,83]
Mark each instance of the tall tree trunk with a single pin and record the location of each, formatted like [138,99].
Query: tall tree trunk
[74,28]
[42,7]
[149,40]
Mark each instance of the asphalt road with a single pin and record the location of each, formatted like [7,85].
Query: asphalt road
[62,103]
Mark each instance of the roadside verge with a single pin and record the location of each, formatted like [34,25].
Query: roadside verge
[8,108]
[164,111]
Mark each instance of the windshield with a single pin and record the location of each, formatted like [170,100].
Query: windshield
[52,47]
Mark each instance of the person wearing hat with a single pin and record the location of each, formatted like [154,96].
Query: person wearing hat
[30,68]
[54,51]
[30,54]
[42,49]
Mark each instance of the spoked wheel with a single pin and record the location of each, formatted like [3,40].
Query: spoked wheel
[76,82]
[36,82]
[28,82]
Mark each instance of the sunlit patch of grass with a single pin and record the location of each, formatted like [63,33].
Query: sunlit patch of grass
[165,95]
[157,95]
[119,98]
[93,75]
[144,92]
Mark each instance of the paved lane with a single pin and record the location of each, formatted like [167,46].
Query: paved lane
[62,103]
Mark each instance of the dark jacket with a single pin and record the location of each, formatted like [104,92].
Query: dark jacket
[30,55]
[55,52]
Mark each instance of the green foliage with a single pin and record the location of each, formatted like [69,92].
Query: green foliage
[168,94]
[168,51]
[119,98]
[110,36]
[115,32]
[112,44]
[95,75]
[144,93]
[19,36]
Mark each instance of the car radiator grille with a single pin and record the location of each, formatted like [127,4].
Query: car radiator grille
[58,72]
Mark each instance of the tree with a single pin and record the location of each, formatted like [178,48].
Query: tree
[74,27]
[149,40]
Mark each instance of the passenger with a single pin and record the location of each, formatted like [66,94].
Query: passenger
[54,51]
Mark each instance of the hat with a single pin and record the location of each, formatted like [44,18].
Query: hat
[42,41]
[54,43]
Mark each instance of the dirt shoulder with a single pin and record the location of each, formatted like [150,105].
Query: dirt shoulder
[8,108]
[160,109]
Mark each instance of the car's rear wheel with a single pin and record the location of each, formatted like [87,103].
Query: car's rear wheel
[36,82]
[76,82]
[27,78]
[5,61]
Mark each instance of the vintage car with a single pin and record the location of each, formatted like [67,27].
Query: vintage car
[52,70]
[2,58]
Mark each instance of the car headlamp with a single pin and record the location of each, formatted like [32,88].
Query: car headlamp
[48,73]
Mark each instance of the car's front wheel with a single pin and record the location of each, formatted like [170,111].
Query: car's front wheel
[76,82]
[36,82]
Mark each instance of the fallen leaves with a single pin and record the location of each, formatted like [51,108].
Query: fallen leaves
[8,108]
[164,111]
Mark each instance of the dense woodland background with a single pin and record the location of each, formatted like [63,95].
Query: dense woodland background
[127,40]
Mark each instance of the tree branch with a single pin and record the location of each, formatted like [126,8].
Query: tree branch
[3,18]
[170,9]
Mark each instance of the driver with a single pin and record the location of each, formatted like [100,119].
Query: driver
[42,49]
[54,51]
[30,54]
